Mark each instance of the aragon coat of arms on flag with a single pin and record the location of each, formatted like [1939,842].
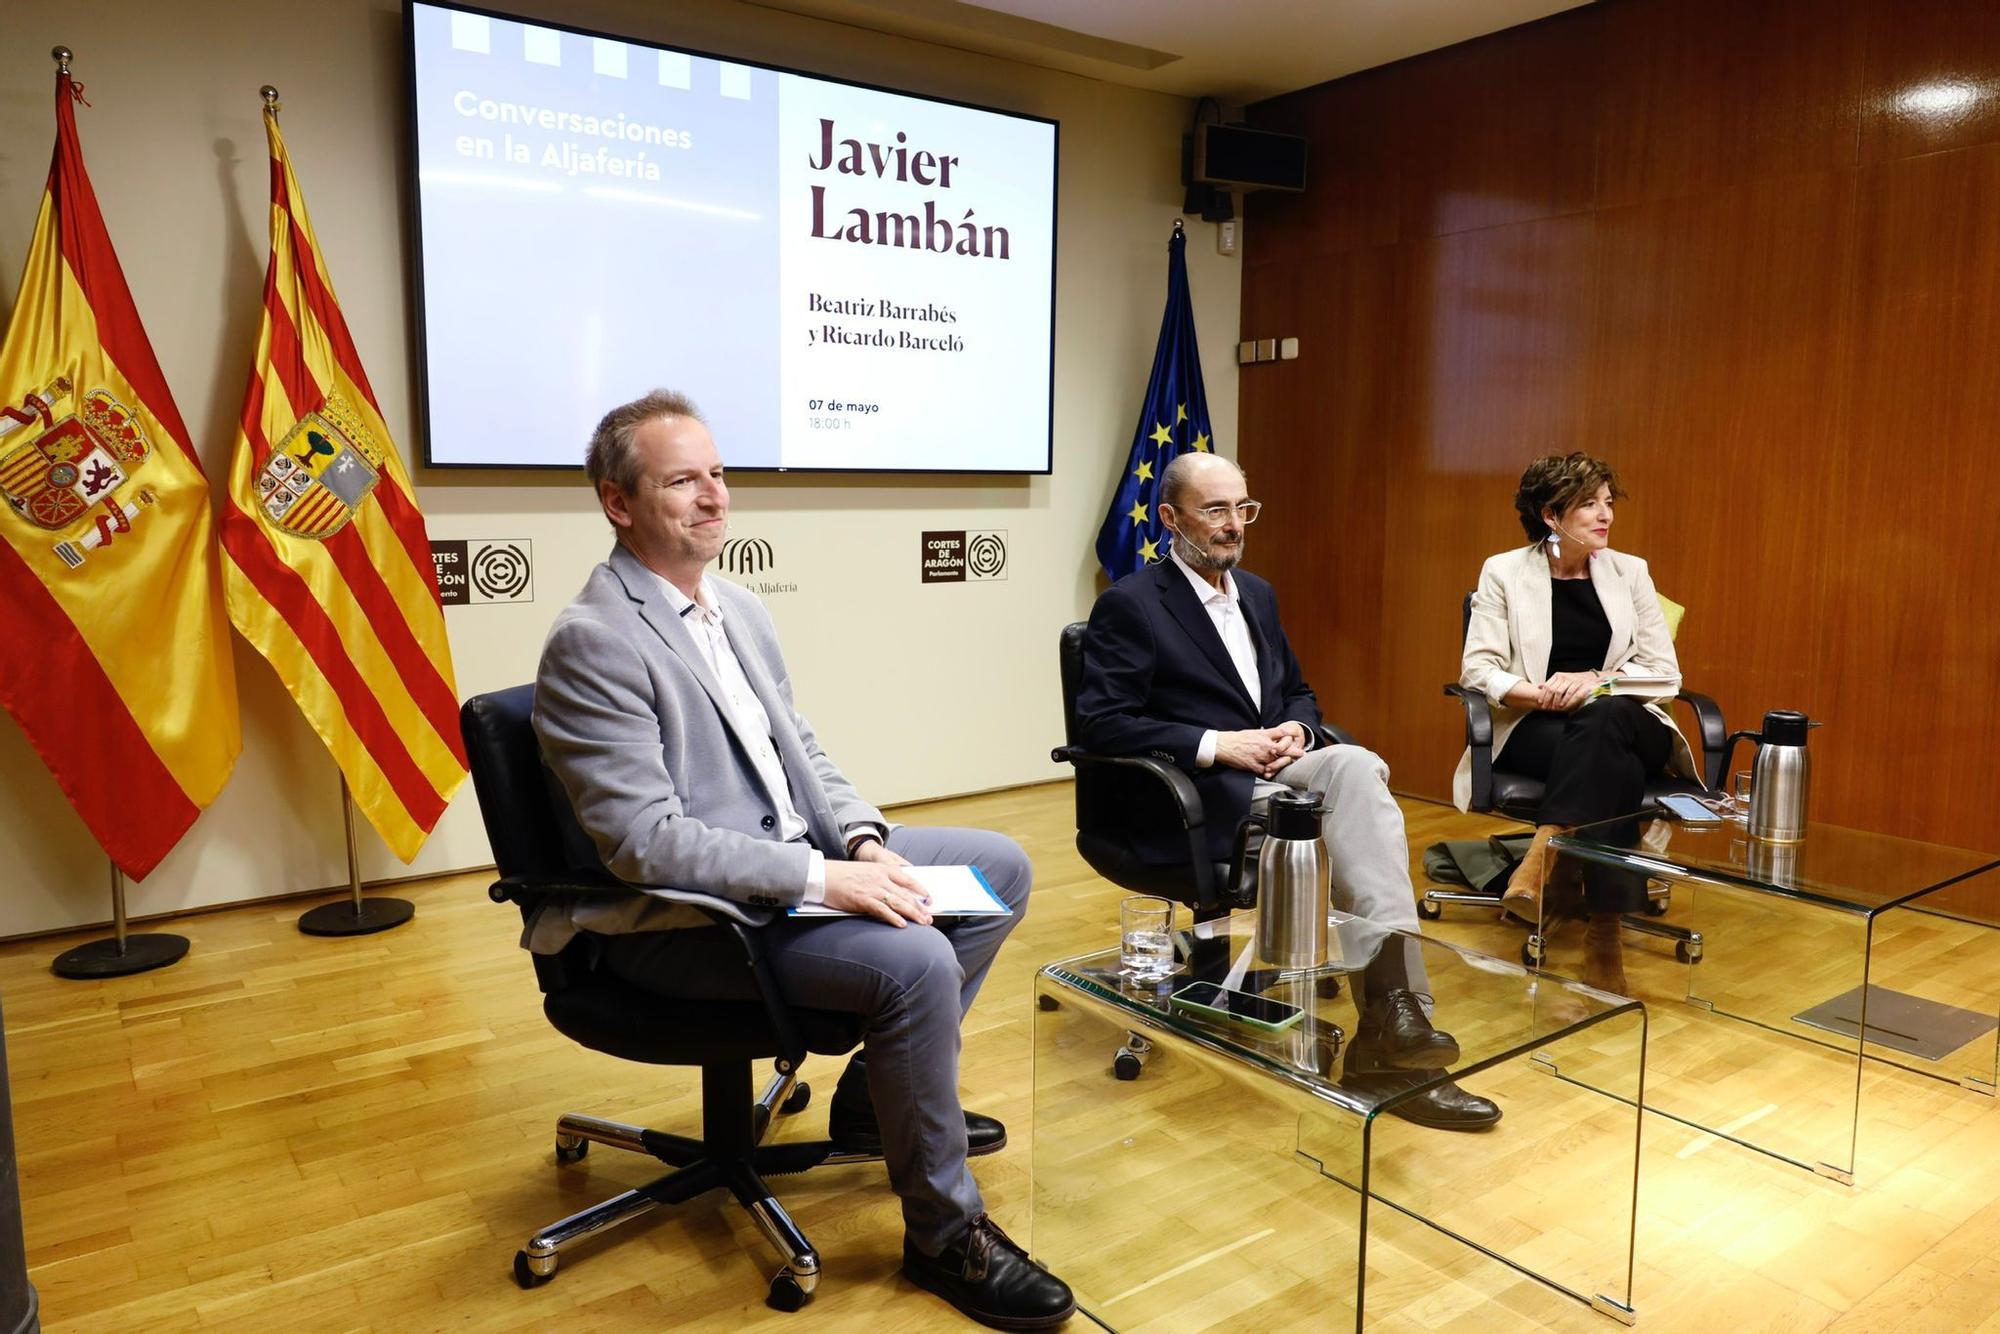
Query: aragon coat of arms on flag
[319,474]
[77,462]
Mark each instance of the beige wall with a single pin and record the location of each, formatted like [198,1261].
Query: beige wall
[917,691]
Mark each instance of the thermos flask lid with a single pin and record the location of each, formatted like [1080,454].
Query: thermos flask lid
[1785,727]
[1293,815]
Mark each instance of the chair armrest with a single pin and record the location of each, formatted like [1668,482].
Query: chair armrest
[1478,740]
[791,1047]
[534,889]
[1333,734]
[1714,737]
[1187,801]
[1180,788]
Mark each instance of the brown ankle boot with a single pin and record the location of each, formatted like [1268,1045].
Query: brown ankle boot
[1524,888]
[1604,955]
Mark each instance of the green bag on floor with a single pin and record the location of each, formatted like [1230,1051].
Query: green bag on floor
[1480,864]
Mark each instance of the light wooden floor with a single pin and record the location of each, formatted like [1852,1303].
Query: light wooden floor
[287,1132]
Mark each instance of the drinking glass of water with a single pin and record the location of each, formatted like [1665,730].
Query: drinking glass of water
[1146,936]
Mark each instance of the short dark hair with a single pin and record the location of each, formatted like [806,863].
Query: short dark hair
[1560,482]
[610,456]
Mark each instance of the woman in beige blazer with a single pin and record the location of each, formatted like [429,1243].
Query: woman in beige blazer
[1551,622]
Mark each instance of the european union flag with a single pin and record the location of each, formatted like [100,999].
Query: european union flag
[1174,421]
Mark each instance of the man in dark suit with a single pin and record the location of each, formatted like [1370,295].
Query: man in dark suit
[665,709]
[1186,660]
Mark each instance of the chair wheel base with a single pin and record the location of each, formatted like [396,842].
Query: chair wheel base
[1127,1065]
[524,1272]
[1429,911]
[571,1148]
[796,1101]
[786,1293]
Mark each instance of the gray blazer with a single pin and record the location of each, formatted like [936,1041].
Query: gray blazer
[633,726]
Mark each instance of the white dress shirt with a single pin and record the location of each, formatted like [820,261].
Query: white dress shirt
[703,615]
[1225,608]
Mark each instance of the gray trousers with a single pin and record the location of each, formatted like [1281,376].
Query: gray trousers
[1368,852]
[912,984]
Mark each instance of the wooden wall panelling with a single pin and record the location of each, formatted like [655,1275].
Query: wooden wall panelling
[1719,326]
[1354,129]
[1931,82]
[1913,727]
[1709,93]
[1495,350]
[1685,235]
[1502,129]
[1312,433]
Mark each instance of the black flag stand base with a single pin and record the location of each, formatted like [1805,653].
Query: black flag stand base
[355,916]
[125,953]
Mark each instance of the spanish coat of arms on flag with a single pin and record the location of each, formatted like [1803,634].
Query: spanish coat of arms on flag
[114,653]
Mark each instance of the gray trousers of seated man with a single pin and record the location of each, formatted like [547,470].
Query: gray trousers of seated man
[1368,852]
[912,985]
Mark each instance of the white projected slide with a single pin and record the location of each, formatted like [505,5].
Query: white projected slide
[841,277]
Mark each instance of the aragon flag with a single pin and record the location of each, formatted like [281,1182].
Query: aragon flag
[328,567]
[114,653]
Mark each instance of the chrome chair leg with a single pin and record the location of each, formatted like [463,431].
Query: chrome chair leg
[536,1264]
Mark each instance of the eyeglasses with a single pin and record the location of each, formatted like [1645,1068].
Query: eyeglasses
[1247,511]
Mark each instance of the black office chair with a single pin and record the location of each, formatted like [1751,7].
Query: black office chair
[1119,795]
[524,822]
[1518,797]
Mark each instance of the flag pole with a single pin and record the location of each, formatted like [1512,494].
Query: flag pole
[357,916]
[125,953]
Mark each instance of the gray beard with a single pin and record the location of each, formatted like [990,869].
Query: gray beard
[1202,559]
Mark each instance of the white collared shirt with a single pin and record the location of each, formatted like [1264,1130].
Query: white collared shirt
[703,616]
[1225,608]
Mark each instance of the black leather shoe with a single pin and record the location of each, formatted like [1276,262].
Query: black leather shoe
[1446,1107]
[857,1131]
[1396,1034]
[987,1277]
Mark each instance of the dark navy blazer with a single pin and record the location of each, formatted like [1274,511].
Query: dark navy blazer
[1156,676]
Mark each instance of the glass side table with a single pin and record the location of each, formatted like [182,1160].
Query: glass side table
[1240,1181]
[1816,960]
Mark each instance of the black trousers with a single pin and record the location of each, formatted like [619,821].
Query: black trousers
[1595,761]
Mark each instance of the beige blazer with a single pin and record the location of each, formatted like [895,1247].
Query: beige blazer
[1509,637]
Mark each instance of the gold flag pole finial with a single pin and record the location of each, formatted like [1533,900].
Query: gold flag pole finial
[270,96]
[62,59]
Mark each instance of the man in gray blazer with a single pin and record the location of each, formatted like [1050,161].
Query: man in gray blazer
[665,710]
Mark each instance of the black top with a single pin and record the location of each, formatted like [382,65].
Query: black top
[1582,635]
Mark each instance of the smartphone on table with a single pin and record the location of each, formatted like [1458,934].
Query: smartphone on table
[1217,1002]
[1688,809]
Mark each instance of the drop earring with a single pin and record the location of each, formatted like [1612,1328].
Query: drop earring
[1555,546]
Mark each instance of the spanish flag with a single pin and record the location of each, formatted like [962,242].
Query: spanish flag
[114,654]
[328,566]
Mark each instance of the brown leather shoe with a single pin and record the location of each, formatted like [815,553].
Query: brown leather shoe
[1604,955]
[1524,888]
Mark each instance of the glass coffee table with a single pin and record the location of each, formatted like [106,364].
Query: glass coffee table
[1239,1181]
[1845,953]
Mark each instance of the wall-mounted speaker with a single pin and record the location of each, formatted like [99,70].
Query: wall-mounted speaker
[1236,157]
